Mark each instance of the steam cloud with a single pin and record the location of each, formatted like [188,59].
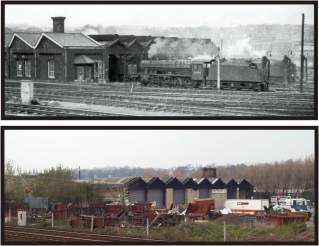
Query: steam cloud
[243,49]
[173,48]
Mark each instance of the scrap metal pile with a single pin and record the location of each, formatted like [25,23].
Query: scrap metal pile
[137,214]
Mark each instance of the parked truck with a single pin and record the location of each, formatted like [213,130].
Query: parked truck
[246,206]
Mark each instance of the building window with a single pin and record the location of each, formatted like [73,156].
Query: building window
[19,68]
[51,69]
[27,68]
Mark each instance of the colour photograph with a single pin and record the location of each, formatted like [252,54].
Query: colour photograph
[160,185]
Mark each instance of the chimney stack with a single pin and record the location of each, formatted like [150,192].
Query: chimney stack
[209,172]
[58,24]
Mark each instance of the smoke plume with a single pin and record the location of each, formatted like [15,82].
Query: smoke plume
[173,48]
[243,49]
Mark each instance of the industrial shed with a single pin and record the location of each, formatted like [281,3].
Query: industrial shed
[124,52]
[56,56]
[156,191]
[246,189]
[232,188]
[7,39]
[136,188]
[175,192]
[191,189]
[204,187]
[218,192]
[70,57]
[22,55]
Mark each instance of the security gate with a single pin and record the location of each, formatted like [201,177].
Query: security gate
[203,193]
[157,196]
[178,196]
[136,196]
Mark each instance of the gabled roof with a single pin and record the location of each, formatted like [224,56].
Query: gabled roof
[217,183]
[136,183]
[190,183]
[7,39]
[231,183]
[127,40]
[173,182]
[29,39]
[65,40]
[204,183]
[83,59]
[245,184]
[154,182]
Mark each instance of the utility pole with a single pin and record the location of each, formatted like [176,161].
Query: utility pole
[301,56]
[52,219]
[79,173]
[221,48]
[147,228]
[218,70]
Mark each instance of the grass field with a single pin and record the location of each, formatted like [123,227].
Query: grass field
[212,231]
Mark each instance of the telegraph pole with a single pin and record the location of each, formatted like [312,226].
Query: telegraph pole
[302,56]
[218,70]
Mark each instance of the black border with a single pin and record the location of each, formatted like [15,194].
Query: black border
[315,116]
[314,128]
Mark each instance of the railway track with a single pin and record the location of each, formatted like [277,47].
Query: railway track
[185,101]
[14,234]
[41,110]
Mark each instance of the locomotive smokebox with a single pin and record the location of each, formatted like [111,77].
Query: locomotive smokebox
[209,172]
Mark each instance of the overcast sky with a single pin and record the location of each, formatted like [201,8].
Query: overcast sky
[158,15]
[153,148]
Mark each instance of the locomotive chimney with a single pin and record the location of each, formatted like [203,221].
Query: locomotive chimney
[58,24]
[209,172]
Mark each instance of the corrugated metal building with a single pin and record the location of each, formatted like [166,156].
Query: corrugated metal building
[191,189]
[175,192]
[156,191]
[172,191]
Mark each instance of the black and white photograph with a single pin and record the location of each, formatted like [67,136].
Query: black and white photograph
[160,185]
[164,60]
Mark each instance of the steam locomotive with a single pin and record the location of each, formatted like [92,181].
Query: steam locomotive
[283,70]
[234,74]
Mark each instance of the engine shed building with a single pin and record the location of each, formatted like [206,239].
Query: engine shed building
[55,56]
[191,189]
[22,55]
[232,189]
[175,192]
[246,189]
[7,39]
[218,192]
[125,53]
[204,187]
[171,191]
[156,191]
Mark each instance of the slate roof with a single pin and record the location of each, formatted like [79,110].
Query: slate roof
[72,39]
[127,40]
[29,37]
[7,39]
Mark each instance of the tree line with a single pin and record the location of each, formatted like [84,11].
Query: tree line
[58,183]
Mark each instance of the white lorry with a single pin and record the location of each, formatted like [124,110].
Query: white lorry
[246,206]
